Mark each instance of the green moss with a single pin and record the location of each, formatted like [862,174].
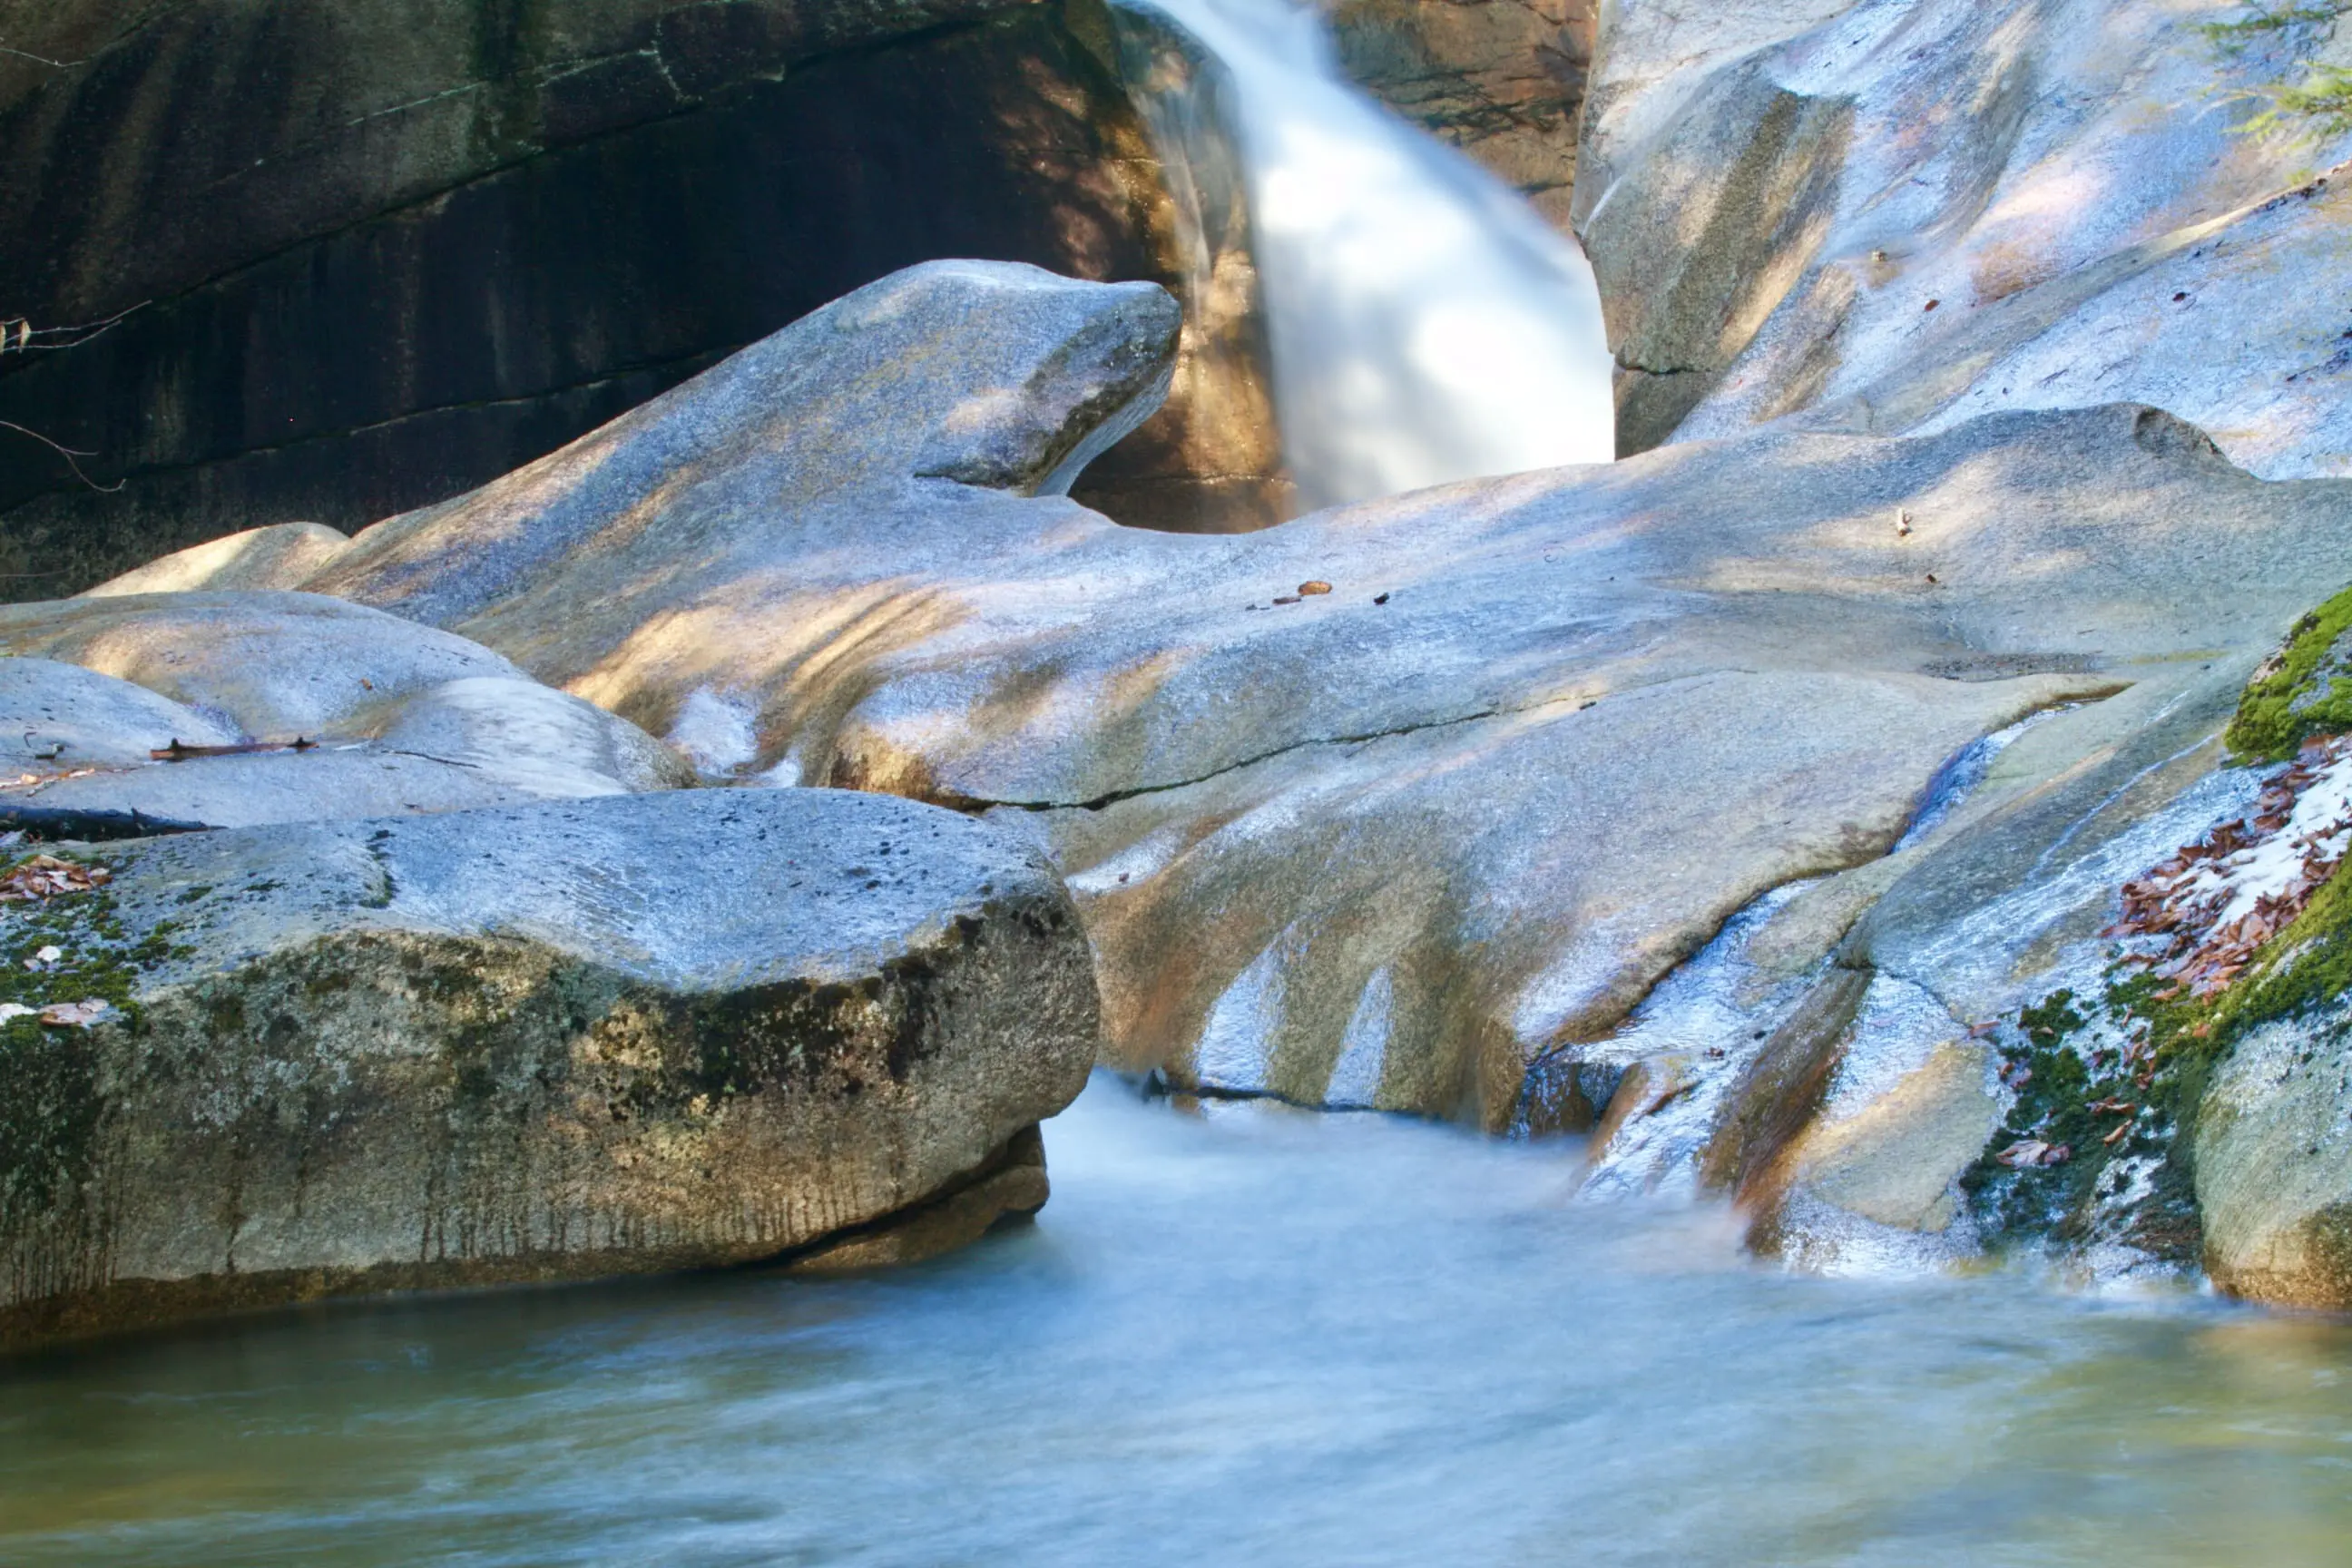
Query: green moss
[2263,20]
[50,1105]
[2055,1088]
[2305,966]
[2300,691]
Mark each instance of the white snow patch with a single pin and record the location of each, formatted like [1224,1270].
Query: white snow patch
[2320,826]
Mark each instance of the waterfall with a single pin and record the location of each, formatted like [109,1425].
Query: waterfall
[1426,323]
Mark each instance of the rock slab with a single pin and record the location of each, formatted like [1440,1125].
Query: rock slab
[555,1042]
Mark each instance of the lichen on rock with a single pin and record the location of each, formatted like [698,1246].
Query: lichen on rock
[639,1033]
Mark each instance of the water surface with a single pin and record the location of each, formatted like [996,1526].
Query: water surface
[1260,1337]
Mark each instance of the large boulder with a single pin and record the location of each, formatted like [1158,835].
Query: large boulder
[280,555]
[2274,1168]
[731,524]
[1896,218]
[1394,803]
[282,260]
[663,1031]
[58,718]
[274,666]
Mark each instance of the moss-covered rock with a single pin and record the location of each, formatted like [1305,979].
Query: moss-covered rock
[2302,690]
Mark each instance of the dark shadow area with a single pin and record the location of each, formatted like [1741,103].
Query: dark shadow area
[340,316]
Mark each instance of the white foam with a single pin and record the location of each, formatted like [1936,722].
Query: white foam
[718,732]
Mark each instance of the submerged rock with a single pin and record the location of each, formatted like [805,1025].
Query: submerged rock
[559,1042]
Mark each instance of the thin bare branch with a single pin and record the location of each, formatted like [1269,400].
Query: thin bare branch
[69,454]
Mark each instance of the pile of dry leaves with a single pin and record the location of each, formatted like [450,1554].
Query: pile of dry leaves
[2219,900]
[35,880]
[45,876]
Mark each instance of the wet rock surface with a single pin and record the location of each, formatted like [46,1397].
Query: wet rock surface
[1503,81]
[569,1041]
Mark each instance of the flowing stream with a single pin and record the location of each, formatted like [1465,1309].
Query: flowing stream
[1261,1337]
[1426,324]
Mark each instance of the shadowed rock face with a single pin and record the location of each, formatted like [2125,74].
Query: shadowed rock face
[383,252]
[1893,217]
[666,1031]
[1503,79]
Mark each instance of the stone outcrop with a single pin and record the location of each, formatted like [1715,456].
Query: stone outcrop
[2274,1169]
[1502,80]
[1667,687]
[1894,218]
[274,666]
[561,1042]
[280,555]
[733,525]
[373,255]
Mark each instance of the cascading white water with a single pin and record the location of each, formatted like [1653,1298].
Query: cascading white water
[1426,324]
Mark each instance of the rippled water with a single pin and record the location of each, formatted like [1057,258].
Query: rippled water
[1261,1337]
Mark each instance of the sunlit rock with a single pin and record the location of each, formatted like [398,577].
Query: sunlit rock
[663,1031]
[1896,218]
[57,718]
[278,556]
[1542,740]
[229,710]
[2273,1167]
[276,666]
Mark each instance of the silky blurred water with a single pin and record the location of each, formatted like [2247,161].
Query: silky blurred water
[1261,1337]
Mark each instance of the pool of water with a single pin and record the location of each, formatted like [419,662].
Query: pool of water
[1256,1337]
